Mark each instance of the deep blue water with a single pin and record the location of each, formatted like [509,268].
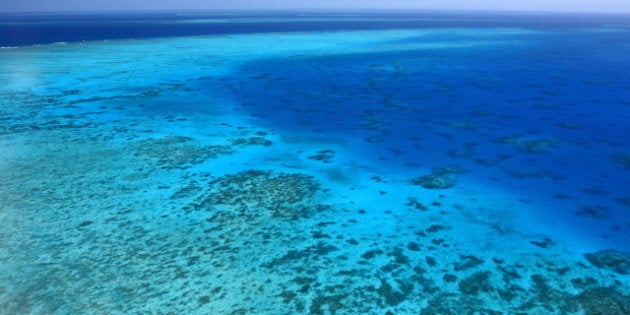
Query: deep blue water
[428,106]
[315,163]
[43,28]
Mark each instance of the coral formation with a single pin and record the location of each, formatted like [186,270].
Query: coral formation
[433,181]
[616,261]
[287,195]
[178,151]
[251,141]
[159,189]
[595,212]
[451,169]
[600,300]
[476,283]
[439,178]
[324,156]
[531,146]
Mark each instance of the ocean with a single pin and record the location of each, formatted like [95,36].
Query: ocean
[314,163]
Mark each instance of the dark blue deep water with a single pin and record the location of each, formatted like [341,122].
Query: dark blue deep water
[315,163]
[44,28]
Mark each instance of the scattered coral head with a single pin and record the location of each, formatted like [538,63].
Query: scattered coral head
[618,262]
[289,195]
[179,152]
[433,181]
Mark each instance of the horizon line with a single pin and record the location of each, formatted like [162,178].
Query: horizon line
[321,10]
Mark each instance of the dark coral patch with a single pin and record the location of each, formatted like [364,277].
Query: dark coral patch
[415,204]
[453,169]
[602,300]
[324,156]
[451,304]
[476,283]
[544,243]
[85,223]
[595,212]
[251,141]
[287,195]
[413,246]
[529,145]
[467,262]
[433,181]
[610,259]
[179,152]
[394,295]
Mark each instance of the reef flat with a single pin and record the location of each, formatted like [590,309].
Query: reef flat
[417,171]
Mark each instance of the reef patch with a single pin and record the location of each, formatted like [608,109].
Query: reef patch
[178,151]
[611,260]
[285,195]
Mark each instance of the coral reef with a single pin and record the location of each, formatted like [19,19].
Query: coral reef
[455,304]
[618,262]
[531,146]
[324,156]
[439,178]
[433,181]
[451,169]
[476,283]
[251,141]
[232,177]
[600,300]
[286,195]
[595,212]
[179,152]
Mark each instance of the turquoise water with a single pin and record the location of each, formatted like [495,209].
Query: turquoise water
[451,170]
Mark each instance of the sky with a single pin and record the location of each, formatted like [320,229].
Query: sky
[610,6]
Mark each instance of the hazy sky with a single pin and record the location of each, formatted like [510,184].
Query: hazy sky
[617,6]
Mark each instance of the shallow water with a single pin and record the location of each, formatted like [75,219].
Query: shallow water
[413,170]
